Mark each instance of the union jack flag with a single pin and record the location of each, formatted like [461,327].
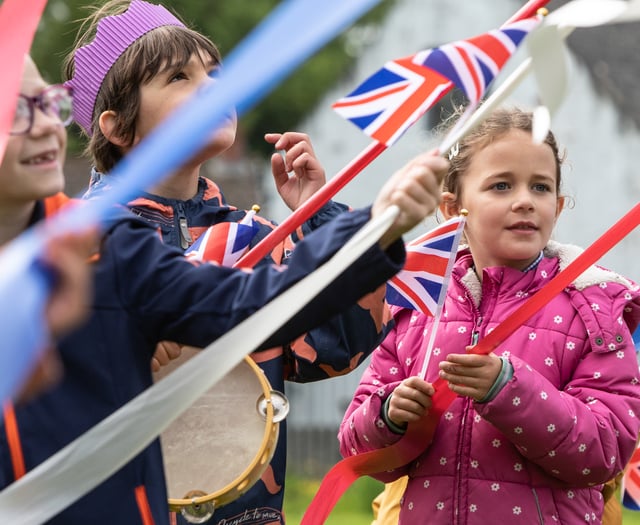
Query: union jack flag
[224,242]
[424,278]
[393,98]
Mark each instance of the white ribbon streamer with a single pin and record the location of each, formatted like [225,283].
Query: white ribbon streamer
[93,457]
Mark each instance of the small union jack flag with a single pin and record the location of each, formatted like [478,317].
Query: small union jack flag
[424,278]
[224,242]
[386,104]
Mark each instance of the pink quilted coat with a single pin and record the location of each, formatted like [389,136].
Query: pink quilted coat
[566,423]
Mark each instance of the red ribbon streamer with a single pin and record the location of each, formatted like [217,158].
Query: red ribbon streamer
[18,23]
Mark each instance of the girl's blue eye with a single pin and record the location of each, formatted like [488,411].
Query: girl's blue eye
[501,186]
[541,187]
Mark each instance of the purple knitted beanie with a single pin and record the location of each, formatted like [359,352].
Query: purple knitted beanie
[113,36]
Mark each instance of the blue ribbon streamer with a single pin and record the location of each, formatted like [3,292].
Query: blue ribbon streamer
[291,33]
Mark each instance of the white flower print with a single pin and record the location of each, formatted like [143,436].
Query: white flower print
[516,401]
[474,463]
[393,370]
[587,517]
[620,320]
[611,346]
[543,395]
[380,392]
[425,332]
[571,494]
[612,459]
[496,443]
[351,424]
[595,307]
[410,506]
[365,437]
[407,361]
[380,423]
[543,274]
[557,319]
[570,345]
[632,413]
[620,354]
[353,451]
[436,351]
[506,353]
[603,285]
[414,318]
[448,416]
[548,361]
[627,296]
[440,505]
[532,336]
[582,447]
[517,510]
[375,382]
[462,329]
[495,487]
[517,430]
[634,381]
[443,461]
[552,453]
[473,507]
[461,299]
[520,294]
[517,467]
[586,471]
[597,375]
[551,428]
[426,484]
[477,418]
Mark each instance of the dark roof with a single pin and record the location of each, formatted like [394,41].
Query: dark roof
[611,54]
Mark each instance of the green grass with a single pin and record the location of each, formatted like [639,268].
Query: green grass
[354,507]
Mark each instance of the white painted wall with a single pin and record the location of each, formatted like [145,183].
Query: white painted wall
[601,172]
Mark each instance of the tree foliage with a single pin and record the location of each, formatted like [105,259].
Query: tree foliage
[226,22]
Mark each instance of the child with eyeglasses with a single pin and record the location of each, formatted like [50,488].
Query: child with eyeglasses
[136,303]
[31,182]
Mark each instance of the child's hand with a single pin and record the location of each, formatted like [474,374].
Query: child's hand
[409,401]
[471,375]
[166,351]
[308,174]
[416,190]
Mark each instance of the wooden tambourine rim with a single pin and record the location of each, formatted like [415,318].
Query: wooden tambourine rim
[258,465]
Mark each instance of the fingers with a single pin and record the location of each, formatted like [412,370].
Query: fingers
[166,351]
[68,305]
[410,400]
[469,374]
[298,152]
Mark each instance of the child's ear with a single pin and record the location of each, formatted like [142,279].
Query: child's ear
[449,205]
[108,122]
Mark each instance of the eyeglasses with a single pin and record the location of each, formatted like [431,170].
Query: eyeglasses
[54,101]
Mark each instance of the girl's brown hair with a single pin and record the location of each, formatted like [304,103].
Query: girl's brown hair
[165,49]
[498,123]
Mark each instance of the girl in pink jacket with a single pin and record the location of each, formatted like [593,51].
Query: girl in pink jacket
[540,424]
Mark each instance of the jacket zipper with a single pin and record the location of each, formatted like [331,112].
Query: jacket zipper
[535,496]
[183,228]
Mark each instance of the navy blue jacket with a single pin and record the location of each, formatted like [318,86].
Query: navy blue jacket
[145,292]
[334,348]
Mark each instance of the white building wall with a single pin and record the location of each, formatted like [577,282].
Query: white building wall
[601,172]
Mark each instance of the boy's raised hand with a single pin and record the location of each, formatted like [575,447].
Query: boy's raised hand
[299,174]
